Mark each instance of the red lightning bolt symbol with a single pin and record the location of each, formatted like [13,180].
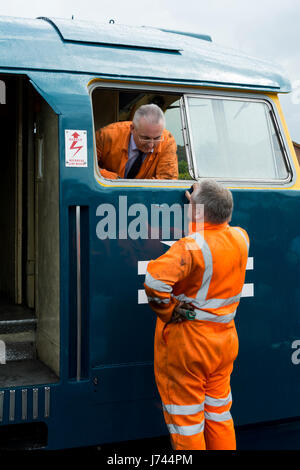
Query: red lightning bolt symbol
[73,146]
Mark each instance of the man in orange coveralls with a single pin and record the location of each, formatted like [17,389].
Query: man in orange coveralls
[141,149]
[195,288]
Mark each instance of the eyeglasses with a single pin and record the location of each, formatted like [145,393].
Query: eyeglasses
[148,140]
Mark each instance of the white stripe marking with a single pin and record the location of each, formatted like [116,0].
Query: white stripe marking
[142,297]
[248,290]
[142,267]
[250,263]
[169,243]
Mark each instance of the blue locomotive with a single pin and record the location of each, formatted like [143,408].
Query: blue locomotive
[76,333]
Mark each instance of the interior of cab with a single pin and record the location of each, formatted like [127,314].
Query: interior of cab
[111,105]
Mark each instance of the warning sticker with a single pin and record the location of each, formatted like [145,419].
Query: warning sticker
[76,148]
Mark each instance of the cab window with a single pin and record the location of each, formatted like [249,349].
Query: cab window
[111,105]
[235,139]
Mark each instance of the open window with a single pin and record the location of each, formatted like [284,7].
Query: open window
[235,139]
[113,105]
[29,233]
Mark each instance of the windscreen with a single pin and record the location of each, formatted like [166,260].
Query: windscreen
[236,139]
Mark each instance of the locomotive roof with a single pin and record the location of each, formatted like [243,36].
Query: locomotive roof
[122,52]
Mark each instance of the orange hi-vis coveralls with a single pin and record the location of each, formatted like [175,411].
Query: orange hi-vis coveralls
[112,152]
[193,359]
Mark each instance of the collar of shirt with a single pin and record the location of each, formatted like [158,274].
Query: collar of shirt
[132,148]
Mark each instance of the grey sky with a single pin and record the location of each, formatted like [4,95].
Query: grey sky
[263,28]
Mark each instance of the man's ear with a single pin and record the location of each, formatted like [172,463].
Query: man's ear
[131,127]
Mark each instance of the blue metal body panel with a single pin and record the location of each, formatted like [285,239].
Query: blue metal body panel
[37,44]
[124,405]
[118,399]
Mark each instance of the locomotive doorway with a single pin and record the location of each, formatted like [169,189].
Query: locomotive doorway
[29,245]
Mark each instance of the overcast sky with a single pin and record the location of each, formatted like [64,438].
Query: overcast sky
[263,28]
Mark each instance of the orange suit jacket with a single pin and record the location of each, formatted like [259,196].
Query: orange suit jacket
[112,152]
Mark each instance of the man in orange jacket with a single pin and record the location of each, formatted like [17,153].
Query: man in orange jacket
[195,288]
[141,149]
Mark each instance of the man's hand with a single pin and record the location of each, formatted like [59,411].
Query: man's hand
[182,312]
[193,188]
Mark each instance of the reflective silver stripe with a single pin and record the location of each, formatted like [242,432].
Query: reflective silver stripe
[202,315]
[217,303]
[208,271]
[158,300]
[184,409]
[217,416]
[243,235]
[186,430]
[156,284]
[209,303]
[184,298]
[218,401]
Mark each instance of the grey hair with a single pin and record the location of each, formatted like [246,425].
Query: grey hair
[151,112]
[217,201]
